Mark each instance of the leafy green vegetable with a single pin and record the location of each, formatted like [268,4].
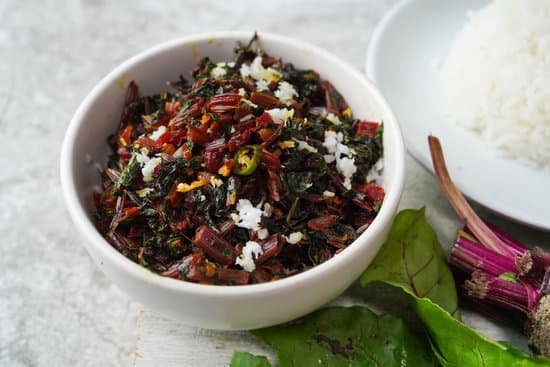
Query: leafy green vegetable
[456,345]
[369,149]
[206,89]
[303,170]
[342,336]
[298,182]
[413,259]
[411,244]
[128,173]
[244,359]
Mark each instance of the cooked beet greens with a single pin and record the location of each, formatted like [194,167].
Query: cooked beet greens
[253,172]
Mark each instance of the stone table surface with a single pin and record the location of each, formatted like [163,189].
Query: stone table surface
[56,308]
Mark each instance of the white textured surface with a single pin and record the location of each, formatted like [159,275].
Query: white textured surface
[56,309]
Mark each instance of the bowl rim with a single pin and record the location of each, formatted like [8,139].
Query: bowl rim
[86,227]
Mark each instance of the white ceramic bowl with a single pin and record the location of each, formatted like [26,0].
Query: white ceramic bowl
[210,306]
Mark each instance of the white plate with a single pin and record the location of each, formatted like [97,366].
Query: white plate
[400,60]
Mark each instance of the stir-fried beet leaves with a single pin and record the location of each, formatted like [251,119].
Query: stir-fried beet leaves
[253,171]
[128,173]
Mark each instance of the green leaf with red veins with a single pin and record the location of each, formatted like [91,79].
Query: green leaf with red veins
[347,337]
[412,258]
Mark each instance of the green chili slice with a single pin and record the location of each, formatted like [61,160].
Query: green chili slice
[247,160]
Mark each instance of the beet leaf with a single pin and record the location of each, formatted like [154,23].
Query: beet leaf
[413,259]
[244,359]
[347,336]
[453,343]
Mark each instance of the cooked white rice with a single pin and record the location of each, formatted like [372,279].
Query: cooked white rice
[496,77]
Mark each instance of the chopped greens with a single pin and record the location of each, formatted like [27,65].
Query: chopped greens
[250,130]
[128,173]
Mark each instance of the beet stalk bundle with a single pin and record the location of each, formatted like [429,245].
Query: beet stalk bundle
[501,271]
